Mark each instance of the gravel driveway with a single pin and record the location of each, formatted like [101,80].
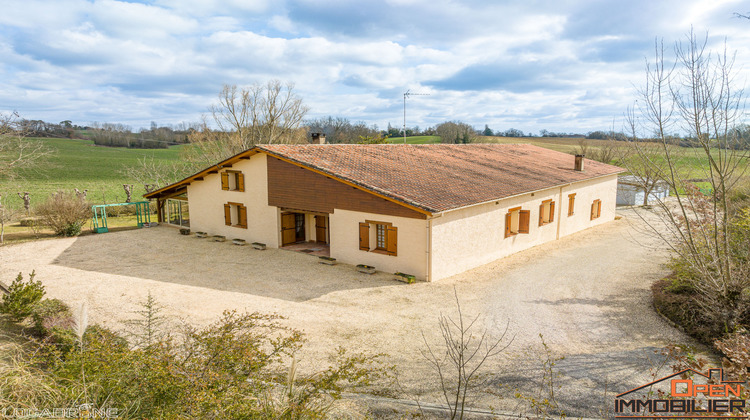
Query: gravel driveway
[587,294]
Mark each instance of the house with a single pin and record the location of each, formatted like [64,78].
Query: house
[427,210]
[630,191]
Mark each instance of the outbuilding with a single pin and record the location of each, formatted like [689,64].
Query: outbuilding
[432,211]
[631,191]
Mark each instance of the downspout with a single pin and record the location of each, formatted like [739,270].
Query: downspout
[429,250]
[429,245]
[559,213]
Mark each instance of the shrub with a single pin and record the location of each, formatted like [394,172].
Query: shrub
[22,297]
[233,368]
[65,213]
[51,313]
[679,304]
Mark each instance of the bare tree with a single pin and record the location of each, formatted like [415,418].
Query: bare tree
[154,174]
[463,352]
[697,94]
[260,114]
[18,153]
[609,150]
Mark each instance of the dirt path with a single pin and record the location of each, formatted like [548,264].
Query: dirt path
[586,293]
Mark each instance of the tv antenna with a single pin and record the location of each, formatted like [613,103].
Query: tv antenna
[409,93]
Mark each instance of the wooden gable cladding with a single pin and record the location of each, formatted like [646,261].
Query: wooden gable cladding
[294,187]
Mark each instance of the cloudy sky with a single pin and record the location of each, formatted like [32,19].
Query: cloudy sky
[558,65]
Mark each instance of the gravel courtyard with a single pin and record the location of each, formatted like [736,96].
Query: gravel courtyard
[587,294]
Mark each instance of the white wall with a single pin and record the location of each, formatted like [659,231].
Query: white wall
[207,201]
[412,242]
[467,238]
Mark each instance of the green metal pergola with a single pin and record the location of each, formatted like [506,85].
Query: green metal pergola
[142,214]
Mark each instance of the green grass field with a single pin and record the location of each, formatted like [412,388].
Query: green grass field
[79,164]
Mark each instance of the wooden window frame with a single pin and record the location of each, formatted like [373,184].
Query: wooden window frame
[524,218]
[239,180]
[241,212]
[596,209]
[550,215]
[390,238]
[571,204]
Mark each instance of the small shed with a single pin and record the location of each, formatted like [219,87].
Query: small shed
[630,191]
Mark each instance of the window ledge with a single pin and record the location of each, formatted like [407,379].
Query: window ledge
[382,251]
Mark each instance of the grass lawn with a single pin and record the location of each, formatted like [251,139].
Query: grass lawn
[80,164]
[15,233]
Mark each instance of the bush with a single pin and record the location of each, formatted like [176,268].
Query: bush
[49,314]
[679,304]
[234,368]
[23,296]
[65,213]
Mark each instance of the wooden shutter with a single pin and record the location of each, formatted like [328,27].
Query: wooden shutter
[227,214]
[598,208]
[242,216]
[240,181]
[288,229]
[593,210]
[364,236]
[571,204]
[523,221]
[507,225]
[225,181]
[391,240]
[541,214]
[552,212]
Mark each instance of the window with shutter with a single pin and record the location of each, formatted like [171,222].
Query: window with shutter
[571,204]
[596,209]
[546,212]
[235,214]
[517,221]
[233,181]
[385,240]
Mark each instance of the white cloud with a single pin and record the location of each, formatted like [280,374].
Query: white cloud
[533,65]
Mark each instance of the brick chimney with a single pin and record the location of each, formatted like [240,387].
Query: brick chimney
[579,163]
[318,138]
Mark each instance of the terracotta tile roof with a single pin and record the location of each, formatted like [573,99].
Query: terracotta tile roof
[439,177]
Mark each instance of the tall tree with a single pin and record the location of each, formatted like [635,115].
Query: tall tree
[697,93]
[455,132]
[266,113]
